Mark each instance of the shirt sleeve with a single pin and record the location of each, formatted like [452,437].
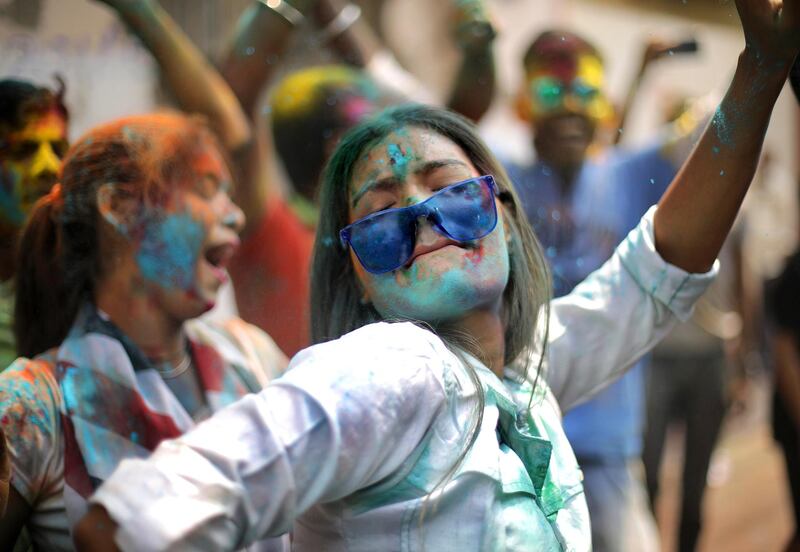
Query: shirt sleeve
[345,415]
[616,315]
[29,412]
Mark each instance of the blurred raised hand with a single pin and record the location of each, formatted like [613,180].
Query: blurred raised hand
[473,27]
[771,28]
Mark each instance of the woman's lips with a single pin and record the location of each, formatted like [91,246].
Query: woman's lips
[421,250]
[219,255]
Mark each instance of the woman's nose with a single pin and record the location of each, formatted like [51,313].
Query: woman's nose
[233,217]
[45,161]
[426,231]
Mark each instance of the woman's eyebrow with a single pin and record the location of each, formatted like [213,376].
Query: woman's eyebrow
[390,182]
[431,166]
[383,184]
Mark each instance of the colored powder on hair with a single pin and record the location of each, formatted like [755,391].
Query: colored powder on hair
[169,250]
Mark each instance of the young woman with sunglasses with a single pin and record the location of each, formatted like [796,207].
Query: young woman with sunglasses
[444,434]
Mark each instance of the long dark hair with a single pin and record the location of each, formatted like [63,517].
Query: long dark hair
[59,258]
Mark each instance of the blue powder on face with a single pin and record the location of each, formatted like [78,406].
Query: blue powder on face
[398,160]
[169,251]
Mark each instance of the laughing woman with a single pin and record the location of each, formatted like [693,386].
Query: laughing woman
[430,417]
[114,264]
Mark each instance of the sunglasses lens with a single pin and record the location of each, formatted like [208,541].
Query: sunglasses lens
[383,242]
[467,211]
[547,93]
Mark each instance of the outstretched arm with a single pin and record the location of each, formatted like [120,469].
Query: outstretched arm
[336,422]
[474,86]
[193,80]
[261,40]
[698,209]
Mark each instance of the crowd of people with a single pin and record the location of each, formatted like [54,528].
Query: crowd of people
[429,347]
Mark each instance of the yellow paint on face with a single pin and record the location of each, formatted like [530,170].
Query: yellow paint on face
[30,164]
[546,93]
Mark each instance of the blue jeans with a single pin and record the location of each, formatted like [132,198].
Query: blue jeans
[621,521]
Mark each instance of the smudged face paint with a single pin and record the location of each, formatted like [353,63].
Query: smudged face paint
[444,280]
[182,248]
[553,88]
[29,163]
[563,99]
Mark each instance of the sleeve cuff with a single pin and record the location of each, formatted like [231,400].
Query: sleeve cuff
[152,518]
[668,284]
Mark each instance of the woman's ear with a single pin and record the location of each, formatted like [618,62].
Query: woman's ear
[118,208]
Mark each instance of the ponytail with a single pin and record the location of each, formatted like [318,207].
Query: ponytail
[51,282]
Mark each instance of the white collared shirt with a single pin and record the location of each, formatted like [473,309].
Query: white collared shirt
[352,449]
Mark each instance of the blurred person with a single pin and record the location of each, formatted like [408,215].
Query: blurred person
[783,301]
[698,373]
[387,435]
[114,267]
[33,137]
[309,110]
[34,130]
[581,200]
[785,346]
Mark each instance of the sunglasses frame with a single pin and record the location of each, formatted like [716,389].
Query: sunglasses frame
[422,209]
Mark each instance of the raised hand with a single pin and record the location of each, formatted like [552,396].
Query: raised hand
[473,27]
[771,29]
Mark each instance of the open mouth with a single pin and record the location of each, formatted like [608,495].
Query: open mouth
[219,256]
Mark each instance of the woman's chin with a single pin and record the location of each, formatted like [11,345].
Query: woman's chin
[447,301]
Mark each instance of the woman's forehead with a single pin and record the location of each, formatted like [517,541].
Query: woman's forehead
[403,150]
[209,161]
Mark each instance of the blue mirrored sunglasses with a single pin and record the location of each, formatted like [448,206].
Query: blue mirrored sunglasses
[384,241]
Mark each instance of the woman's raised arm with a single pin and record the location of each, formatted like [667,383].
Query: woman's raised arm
[196,84]
[698,209]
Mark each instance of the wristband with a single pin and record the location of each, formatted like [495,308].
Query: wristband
[343,21]
[283,8]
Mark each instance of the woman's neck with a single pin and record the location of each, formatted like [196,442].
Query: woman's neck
[134,310]
[487,329]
